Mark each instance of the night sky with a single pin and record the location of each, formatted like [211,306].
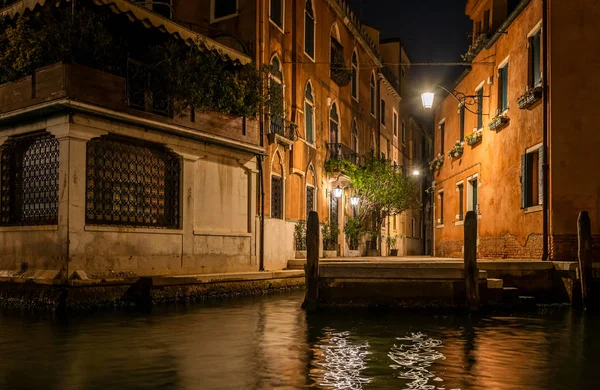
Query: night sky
[432,30]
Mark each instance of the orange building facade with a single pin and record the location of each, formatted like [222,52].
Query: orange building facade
[494,161]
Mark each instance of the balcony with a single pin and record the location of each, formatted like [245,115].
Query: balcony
[281,130]
[341,152]
[67,87]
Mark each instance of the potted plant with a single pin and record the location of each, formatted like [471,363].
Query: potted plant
[330,235]
[474,138]
[300,239]
[530,96]
[457,150]
[437,162]
[391,243]
[353,230]
[499,121]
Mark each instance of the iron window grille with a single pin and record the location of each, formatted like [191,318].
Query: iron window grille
[276,197]
[130,183]
[147,91]
[30,180]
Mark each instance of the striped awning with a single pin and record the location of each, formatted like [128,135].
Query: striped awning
[136,12]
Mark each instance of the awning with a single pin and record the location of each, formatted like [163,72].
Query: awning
[141,14]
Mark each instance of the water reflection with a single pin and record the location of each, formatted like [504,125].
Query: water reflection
[269,343]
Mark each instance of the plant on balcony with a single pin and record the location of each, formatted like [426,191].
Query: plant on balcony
[474,138]
[437,162]
[457,150]
[499,121]
[474,49]
[340,166]
[530,96]
[300,235]
[353,229]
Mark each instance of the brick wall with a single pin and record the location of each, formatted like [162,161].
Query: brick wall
[503,247]
[563,247]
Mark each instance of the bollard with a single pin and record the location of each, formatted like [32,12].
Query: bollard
[584,243]
[471,271]
[311,270]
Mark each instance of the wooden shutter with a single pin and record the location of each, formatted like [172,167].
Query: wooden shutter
[524,180]
[541,175]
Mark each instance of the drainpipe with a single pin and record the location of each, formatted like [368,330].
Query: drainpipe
[261,191]
[545,96]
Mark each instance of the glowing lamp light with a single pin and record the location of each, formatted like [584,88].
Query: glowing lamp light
[354,200]
[427,98]
[337,192]
[416,172]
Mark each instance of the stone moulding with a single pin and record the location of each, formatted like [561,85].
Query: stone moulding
[499,122]
[530,97]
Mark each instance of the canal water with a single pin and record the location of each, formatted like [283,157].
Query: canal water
[268,343]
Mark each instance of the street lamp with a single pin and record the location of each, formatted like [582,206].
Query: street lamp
[414,172]
[464,100]
[337,192]
[354,200]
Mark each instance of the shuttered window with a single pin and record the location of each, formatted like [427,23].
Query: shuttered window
[503,89]
[535,73]
[462,122]
[480,108]
[532,178]
[276,13]
[309,30]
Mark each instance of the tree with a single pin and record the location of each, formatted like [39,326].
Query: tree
[382,190]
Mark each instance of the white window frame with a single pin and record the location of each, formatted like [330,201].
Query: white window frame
[500,66]
[440,221]
[338,122]
[314,33]
[395,120]
[355,53]
[212,12]
[460,221]
[470,180]
[480,87]
[282,28]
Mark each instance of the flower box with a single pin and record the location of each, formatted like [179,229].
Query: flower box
[499,122]
[437,162]
[474,49]
[457,150]
[474,138]
[530,97]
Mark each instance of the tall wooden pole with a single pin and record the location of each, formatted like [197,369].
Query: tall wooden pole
[584,243]
[471,271]
[311,271]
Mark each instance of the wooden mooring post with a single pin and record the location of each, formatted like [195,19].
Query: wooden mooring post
[471,271]
[584,243]
[311,271]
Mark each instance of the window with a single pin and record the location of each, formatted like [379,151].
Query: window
[503,88]
[354,136]
[441,208]
[130,183]
[334,121]
[461,112]
[276,98]
[373,94]
[403,133]
[472,197]
[479,93]
[276,12]
[309,114]
[486,21]
[309,30]
[383,112]
[535,72]
[333,209]
[162,7]
[461,192]
[276,197]
[395,124]
[29,180]
[310,199]
[338,70]
[413,228]
[354,76]
[222,9]
[442,135]
[395,219]
[532,189]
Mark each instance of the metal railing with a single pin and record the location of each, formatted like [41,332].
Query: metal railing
[337,151]
[282,127]
[146,91]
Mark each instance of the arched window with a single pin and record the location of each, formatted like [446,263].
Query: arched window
[354,136]
[130,183]
[334,123]
[30,180]
[276,99]
[373,95]
[354,75]
[309,114]
[309,30]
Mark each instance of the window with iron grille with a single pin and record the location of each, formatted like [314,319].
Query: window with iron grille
[276,197]
[130,183]
[30,180]
[310,199]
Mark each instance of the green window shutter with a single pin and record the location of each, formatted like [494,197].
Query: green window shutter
[504,78]
[540,182]
[535,60]
[524,180]
[462,122]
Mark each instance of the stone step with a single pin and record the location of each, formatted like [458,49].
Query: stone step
[296,264]
[494,284]
[510,294]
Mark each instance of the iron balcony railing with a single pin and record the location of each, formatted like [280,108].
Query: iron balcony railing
[282,127]
[341,152]
[146,91]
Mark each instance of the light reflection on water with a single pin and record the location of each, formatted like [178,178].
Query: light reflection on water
[269,343]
